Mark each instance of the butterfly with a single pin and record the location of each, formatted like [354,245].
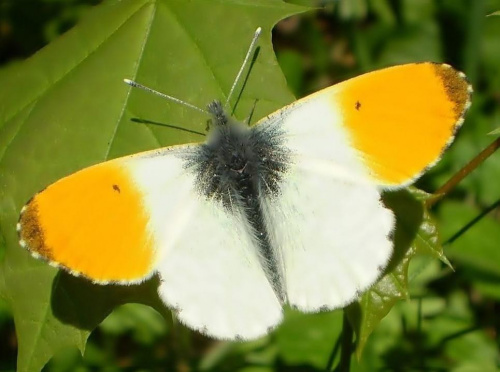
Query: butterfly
[287,211]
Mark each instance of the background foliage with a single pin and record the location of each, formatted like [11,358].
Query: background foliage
[451,321]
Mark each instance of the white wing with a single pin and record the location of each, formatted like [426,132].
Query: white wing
[209,264]
[327,225]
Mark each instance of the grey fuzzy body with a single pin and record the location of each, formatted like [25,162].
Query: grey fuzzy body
[237,167]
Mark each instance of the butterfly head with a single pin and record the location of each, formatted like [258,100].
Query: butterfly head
[219,116]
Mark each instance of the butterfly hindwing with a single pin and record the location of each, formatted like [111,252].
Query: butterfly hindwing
[335,244]
[212,276]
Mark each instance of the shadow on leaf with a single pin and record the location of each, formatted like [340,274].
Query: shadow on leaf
[79,302]
[145,121]
[409,214]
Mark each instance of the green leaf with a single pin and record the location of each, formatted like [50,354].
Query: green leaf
[67,108]
[415,233]
[497,13]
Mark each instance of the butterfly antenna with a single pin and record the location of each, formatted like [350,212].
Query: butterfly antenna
[251,48]
[163,95]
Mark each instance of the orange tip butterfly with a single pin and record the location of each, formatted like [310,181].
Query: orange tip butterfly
[284,212]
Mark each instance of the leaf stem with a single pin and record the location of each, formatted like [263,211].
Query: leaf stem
[462,173]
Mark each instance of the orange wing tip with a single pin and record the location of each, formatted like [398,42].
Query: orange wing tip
[30,233]
[459,91]
[457,87]
[30,236]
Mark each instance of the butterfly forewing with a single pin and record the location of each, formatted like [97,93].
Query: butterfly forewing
[327,221]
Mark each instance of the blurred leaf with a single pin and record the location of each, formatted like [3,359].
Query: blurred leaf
[497,13]
[474,248]
[430,334]
[259,352]
[486,285]
[353,9]
[477,248]
[67,359]
[124,319]
[308,339]
[67,107]
[383,10]
[490,57]
[475,366]
[415,233]
[461,341]
[256,369]
[415,43]
[418,12]
[292,66]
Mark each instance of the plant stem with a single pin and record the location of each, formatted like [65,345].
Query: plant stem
[333,354]
[462,173]
[346,345]
[471,223]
